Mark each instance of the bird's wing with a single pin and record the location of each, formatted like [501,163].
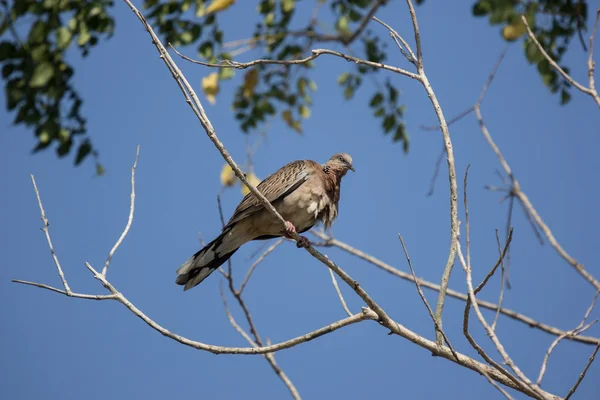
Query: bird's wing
[275,186]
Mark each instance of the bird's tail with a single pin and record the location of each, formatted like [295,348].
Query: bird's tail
[211,257]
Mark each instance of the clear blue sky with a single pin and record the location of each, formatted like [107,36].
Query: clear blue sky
[56,347]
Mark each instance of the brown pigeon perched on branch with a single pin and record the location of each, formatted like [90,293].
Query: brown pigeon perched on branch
[304,192]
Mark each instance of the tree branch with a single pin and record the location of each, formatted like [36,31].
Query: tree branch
[332,242]
[129,219]
[591,90]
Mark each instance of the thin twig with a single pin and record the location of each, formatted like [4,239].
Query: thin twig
[553,345]
[332,242]
[435,323]
[339,293]
[129,219]
[526,204]
[492,335]
[268,356]
[591,90]
[436,171]
[400,42]
[315,53]
[258,261]
[48,239]
[573,332]
[501,295]
[582,375]
[70,294]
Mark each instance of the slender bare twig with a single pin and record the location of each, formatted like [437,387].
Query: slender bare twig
[526,204]
[553,345]
[70,294]
[400,42]
[501,295]
[422,77]
[587,90]
[339,293]
[332,242]
[494,338]
[270,357]
[436,171]
[129,219]
[48,239]
[463,114]
[310,34]
[424,299]
[580,328]
[582,375]
[258,261]
[315,53]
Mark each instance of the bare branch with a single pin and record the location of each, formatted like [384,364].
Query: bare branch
[529,207]
[258,261]
[436,171]
[400,42]
[591,90]
[48,239]
[269,356]
[574,332]
[70,294]
[553,345]
[129,219]
[507,360]
[315,53]
[413,17]
[582,375]
[332,242]
[435,323]
[502,255]
[339,293]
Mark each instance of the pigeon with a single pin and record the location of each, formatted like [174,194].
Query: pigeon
[303,192]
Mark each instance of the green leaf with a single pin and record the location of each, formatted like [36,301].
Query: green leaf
[7,51]
[63,37]
[348,92]
[565,97]
[389,122]
[341,25]
[287,5]
[376,100]
[38,32]
[99,169]
[343,77]
[400,133]
[380,112]
[7,69]
[304,111]
[41,75]
[482,8]
[84,35]
[84,149]
[226,73]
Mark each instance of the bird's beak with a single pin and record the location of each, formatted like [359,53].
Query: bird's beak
[352,168]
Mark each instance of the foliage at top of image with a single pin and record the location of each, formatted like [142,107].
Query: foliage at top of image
[36,36]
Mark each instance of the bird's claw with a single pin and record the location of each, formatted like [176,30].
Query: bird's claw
[303,242]
[289,229]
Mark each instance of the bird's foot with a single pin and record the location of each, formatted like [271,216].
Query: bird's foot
[289,229]
[303,242]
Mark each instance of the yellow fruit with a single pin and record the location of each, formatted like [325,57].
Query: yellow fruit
[513,32]
[228,177]
[253,180]
[217,6]
[210,86]
[250,81]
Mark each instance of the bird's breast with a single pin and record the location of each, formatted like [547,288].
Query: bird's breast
[303,207]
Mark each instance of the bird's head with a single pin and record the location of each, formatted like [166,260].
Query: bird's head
[341,162]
